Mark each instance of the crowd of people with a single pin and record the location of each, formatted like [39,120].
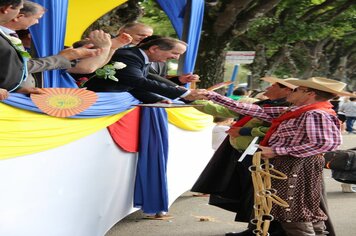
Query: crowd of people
[294,119]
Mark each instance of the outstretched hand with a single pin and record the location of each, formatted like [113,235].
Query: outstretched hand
[197,94]
[165,101]
[188,78]
[29,90]
[121,40]
[81,52]
[100,39]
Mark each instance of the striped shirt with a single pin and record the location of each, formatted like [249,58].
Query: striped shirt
[312,133]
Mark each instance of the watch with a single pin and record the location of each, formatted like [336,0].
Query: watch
[73,63]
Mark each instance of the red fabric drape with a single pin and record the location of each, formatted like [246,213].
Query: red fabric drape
[125,131]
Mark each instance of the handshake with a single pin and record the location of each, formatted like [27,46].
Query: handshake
[197,94]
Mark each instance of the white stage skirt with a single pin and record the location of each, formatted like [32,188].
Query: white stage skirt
[85,187]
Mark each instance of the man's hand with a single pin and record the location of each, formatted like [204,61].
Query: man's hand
[234,132]
[3,94]
[121,40]
[81,52]
[29,90]
[166,101]
[267,152]
[197,94]
[188,78]
[100,39]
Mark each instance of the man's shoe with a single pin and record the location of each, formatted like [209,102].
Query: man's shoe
[247,232]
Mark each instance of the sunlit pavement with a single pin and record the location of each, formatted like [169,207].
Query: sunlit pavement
[193,216]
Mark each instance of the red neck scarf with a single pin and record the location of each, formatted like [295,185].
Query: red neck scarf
[324,106]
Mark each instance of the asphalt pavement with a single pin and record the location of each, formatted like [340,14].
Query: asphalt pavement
[192,216]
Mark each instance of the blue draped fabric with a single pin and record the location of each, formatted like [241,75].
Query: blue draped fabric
[151,193]
[106,105]
[175,10]
[48,37]
[193,37]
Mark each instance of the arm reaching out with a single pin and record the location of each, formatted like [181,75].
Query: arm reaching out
[100,40]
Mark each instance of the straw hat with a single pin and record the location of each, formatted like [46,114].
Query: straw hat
[324,84]
[284,82]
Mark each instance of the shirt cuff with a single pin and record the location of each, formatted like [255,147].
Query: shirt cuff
[185,94]
[280,151]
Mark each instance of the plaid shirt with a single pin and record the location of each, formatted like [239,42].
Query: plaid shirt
[312,133]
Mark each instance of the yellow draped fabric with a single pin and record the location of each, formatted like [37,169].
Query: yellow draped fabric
[82,13]
[189,118]
[24,132]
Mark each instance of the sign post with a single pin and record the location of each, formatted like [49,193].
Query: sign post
[237,58]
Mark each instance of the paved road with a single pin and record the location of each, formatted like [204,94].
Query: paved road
[188,210]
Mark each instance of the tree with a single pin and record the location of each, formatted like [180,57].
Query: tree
[291,38]
[224,21]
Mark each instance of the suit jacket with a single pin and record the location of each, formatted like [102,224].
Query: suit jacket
[133,78]
[35,65]
[11,66]
[55,62]
[158,71]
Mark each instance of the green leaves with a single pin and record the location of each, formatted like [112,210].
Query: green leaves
[109,71]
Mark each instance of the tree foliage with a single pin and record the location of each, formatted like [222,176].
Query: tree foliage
[291,38]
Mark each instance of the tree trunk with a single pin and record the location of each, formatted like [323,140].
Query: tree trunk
[210,63]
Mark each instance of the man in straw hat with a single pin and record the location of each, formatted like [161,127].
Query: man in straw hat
[237,196]
[295,143]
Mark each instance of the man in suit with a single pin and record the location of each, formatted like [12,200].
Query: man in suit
[15,76]
[159,70]
[295,142]
[142,33]
[133,77]
[12,64]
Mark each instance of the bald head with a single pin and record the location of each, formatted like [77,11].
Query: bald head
[138,31]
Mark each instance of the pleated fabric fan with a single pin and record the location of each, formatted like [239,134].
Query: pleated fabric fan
[64,102]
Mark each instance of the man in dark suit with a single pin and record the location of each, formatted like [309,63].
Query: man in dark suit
[133,77]
[159,70]
[14,73]
[30,15]
[11,66]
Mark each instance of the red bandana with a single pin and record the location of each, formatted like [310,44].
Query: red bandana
[324,106]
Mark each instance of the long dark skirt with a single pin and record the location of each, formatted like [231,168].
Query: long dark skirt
[228,182]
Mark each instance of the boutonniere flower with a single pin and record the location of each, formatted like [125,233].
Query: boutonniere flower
[17,43]
[109,71]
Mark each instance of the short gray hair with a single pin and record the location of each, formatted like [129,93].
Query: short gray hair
[31,8]
[164,43]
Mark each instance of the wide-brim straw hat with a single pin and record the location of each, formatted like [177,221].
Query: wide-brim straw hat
[284,82]
[324,84]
